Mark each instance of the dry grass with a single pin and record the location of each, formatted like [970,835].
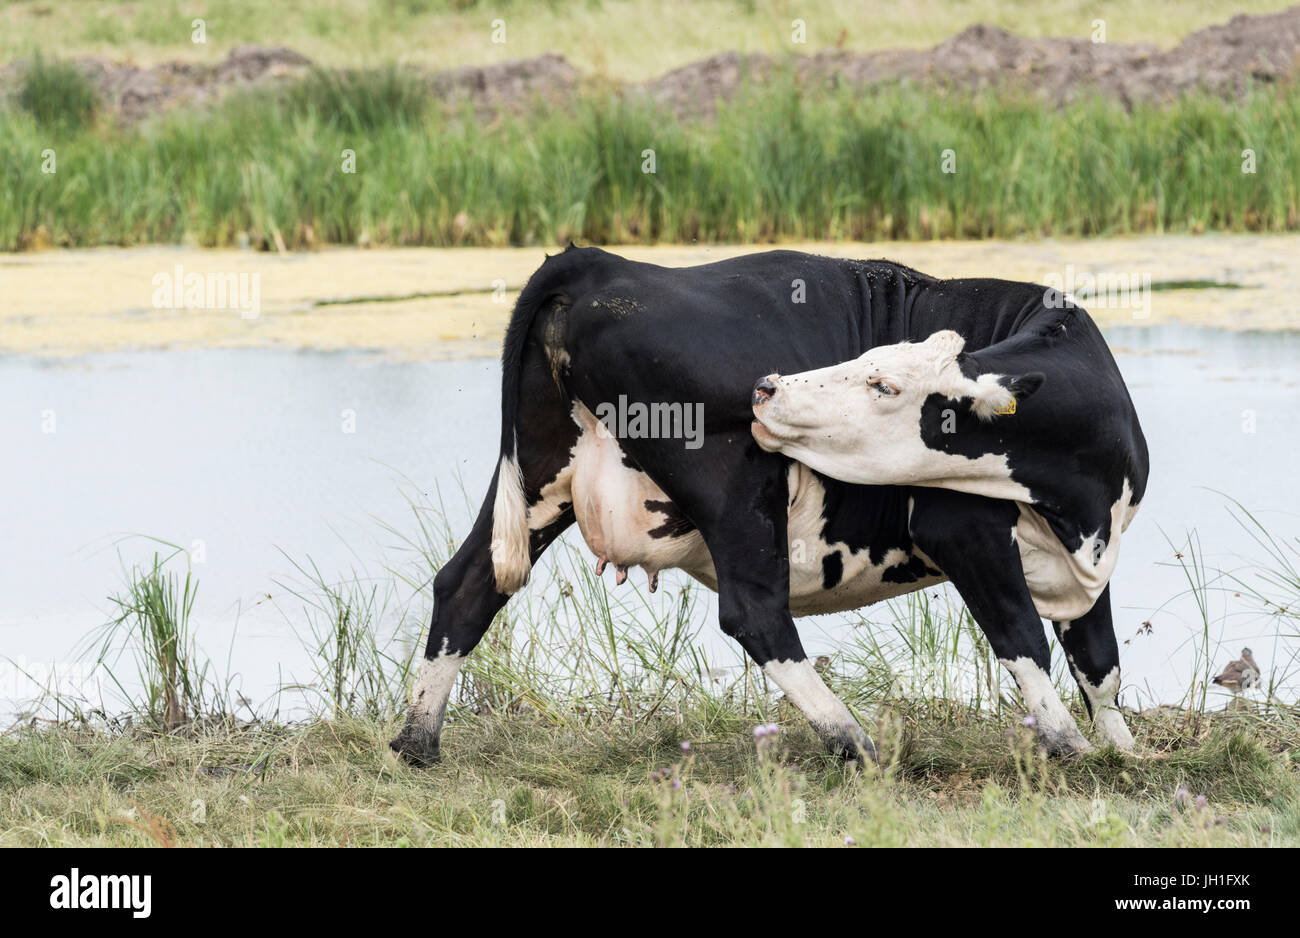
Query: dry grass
[628,39]
[948,780]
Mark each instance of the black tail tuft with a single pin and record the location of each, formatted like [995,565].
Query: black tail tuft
[553,280]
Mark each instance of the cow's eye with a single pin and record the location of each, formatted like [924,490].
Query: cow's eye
[884,387]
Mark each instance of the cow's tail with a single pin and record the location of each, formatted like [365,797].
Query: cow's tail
[511,553]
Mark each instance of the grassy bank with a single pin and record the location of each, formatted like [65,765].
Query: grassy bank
[589,717]
[631,38]
[512,780]
[776,164]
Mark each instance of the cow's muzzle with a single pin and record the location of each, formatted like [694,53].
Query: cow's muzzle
[764,390]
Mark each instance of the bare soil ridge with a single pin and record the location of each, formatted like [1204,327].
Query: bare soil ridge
[1224,59]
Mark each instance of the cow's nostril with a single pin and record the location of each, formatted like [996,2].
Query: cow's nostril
[764,389]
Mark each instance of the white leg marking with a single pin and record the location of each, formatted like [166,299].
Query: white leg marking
[1105,715]
[432,688]
[511,560]
[1054,723]
[807,691]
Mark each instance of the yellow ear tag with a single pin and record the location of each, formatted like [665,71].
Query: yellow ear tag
[1008,410]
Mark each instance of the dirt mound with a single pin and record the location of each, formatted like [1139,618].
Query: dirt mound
[1222,59]
[135,93]
[509,83]
[1264,48]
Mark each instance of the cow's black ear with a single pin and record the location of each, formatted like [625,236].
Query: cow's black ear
[1024,385]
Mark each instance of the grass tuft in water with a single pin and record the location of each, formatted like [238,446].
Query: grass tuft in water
[152,624]
[357,672]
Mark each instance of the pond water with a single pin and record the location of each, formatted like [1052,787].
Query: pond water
[253,457]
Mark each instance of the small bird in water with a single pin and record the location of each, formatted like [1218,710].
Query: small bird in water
[1240,675]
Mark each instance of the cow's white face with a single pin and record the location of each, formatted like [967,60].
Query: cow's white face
[860,421]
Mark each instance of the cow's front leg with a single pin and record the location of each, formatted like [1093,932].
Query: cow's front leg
[747,541]
[755,614]
[825,712]
[971,539]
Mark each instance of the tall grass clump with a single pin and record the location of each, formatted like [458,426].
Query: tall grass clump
[356,100]
[357,672]
[778,162]
[57,94]
[151,624]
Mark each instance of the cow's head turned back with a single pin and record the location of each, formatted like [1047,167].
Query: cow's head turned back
[861,421]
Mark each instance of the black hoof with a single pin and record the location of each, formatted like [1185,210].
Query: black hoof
[416,748]
[857,748]
[1064,745]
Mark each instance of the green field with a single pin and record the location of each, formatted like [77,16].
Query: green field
[776,164]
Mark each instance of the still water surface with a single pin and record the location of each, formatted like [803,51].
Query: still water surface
[255,454]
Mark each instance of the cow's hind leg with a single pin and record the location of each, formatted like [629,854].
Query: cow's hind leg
[1093,653]
[466,597]
[526,508]
[970,538]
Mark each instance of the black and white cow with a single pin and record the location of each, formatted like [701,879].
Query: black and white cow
[928,430]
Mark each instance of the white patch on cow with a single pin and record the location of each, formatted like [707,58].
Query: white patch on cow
[1066,585]
[862,582]
[807,691]
[1105,715]
[609,503]
[511,560]
[554,496]
[1053,721]
[988,397]
[432,689]
[839,421]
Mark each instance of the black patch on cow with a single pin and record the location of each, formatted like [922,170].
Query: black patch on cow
[832,570]
[675,524]
[539,539]
[630,463]
[909,572]
[865,517]
[947,425]
[1031,462]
